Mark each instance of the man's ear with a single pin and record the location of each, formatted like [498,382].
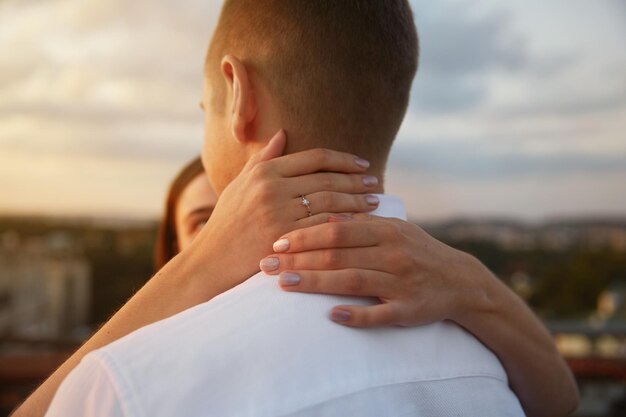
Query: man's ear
[244,105]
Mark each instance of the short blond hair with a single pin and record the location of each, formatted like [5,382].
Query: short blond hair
[341,70]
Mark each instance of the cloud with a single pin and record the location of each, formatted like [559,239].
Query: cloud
[118,53]
[116,80]
[466,162]
[528,198]
[98,104]
[456,40]
[574,107]
[459,48]
[479,59]
[140,139]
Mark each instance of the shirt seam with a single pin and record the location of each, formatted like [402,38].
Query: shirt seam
[397,381]
[394,381]
[389,384]
[120,384]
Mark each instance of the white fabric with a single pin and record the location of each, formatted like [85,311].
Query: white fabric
[259,351]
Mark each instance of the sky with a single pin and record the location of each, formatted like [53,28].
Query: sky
[518,109]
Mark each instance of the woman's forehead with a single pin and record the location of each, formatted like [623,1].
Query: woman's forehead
[197,194]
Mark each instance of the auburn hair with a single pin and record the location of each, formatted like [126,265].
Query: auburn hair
[166,245]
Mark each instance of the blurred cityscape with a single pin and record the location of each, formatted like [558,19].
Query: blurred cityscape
[60,279]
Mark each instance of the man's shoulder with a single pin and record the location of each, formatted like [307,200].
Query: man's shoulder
[255,309]
[256,336]
[190,326]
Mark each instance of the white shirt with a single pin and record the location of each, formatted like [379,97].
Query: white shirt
[259,351]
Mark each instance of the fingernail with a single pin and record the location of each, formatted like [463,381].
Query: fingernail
[361,162]
[372,200]
[278,134]
[340,315]
[281,245]
[288,279]
[370,181]
[339,218]
[269,264]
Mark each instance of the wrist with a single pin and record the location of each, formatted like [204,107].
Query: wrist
[186,275]
[479,297]
[207,270]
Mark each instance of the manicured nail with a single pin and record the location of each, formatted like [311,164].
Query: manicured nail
[278,135]
[281,245]
[370,181]
[288,279]
[372,200]
[269,264]
[361,162]
[340,315]
[336,218]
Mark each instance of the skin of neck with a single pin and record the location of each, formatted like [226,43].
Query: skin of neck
[249,117]
[270,121]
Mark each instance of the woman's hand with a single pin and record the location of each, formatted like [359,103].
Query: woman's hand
[420,280]
[265,201]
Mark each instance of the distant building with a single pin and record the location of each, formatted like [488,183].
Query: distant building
[550,236]
[522,284]
[602,335]
[44,287]
[612,303]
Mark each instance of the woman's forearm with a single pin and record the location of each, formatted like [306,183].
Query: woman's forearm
[174,289]
[537,372]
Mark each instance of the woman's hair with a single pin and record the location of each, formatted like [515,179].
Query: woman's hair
[166,246]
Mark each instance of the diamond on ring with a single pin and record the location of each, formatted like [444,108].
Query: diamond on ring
[307,203]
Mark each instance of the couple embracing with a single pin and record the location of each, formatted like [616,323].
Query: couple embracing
[375,317]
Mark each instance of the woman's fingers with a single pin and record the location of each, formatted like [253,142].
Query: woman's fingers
[331,181]
[324,260]
[314,160]
[352,282]
[274,148]
[365,316]
[320,218]
[356,282]
[343,234]
[332,202]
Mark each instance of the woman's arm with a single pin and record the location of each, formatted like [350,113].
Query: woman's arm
[170,291]
[419,281]
[262,203]
[537,373]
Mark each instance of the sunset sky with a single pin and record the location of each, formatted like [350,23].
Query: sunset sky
[518,109]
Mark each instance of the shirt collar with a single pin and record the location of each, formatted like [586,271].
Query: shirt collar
[390,206]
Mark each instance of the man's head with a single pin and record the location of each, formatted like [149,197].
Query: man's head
[332,73]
